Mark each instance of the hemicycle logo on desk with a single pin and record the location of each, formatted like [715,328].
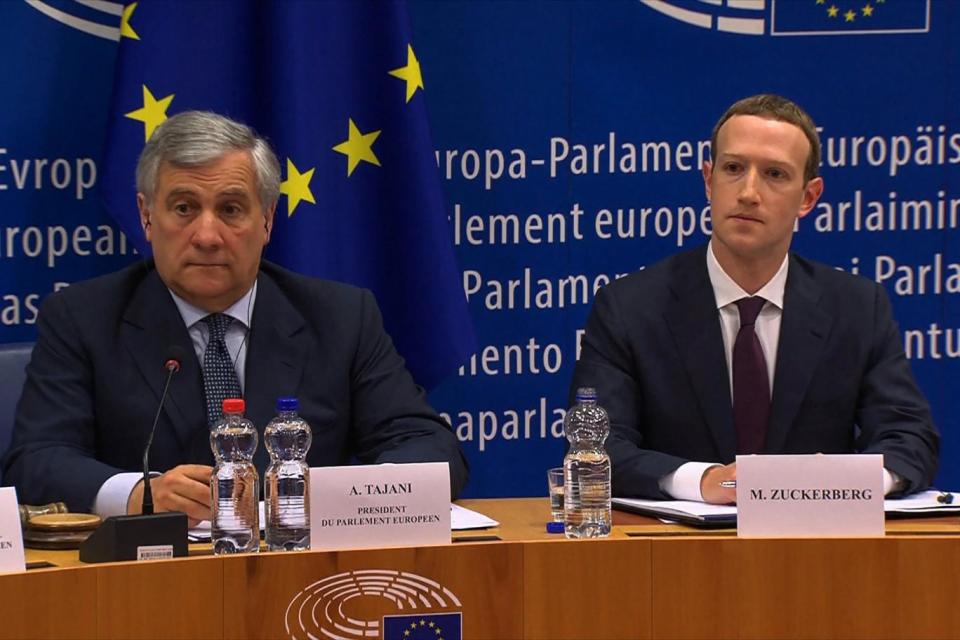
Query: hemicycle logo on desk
[420,608]
[799,17]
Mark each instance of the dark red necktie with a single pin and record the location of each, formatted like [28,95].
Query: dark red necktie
[751,384]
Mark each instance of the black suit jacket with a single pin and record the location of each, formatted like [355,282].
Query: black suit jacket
[653,349]
[96,376]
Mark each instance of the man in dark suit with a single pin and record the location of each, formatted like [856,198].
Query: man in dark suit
[740,347]
[207,192]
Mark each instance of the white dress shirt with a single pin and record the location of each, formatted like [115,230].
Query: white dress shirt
[684,483]
[113,495]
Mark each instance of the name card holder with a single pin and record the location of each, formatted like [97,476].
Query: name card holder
[383,505]
[11,536]
[810,495]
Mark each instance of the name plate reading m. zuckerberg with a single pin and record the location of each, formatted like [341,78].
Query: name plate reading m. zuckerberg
[810,496]
[381,505]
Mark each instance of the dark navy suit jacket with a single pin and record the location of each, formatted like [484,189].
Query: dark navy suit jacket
[654,351]
[96,376]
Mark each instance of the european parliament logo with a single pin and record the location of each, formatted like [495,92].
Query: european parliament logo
[799,17]
[101,18]
[339,607]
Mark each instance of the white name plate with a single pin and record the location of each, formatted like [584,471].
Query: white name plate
[810,496]
[381,505]
[11,537]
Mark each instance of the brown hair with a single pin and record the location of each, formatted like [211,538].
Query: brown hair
[774,107]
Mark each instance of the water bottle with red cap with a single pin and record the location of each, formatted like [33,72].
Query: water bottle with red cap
[235,525]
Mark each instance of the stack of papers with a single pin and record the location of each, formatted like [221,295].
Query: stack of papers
[932,501]
[698,514]
[711,515]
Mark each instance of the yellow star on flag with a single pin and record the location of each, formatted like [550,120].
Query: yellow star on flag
[358,147]
[296,187]
[126,31]
[833,11]
[410,73]
[867,10]
[152,113]
[850,16]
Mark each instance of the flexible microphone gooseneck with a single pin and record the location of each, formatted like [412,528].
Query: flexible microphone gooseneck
[147,535]
[175,355]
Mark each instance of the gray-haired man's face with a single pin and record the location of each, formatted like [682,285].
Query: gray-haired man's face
[207,228]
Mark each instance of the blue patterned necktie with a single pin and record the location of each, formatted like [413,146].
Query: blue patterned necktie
[219,377]
[751,383]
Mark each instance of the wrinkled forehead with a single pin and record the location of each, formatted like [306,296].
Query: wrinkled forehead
[231,173]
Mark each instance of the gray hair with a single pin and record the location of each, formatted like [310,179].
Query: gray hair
[196,138]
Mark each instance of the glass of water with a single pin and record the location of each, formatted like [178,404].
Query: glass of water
[555,487]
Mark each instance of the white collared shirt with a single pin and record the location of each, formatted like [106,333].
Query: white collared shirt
[113,494]
[767,327]
[236,336]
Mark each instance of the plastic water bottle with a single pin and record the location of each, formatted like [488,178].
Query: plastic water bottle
[236,522]
[287,479]
[586,469]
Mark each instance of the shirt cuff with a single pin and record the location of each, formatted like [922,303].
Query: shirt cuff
[891,482]
[113,495]
[684,483]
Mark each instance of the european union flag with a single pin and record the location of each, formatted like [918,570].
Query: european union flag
[338,90]
[823,17]
[436,626]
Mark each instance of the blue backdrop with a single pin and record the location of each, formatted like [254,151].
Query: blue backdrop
[568,140]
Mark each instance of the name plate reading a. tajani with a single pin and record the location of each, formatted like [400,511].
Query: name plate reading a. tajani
[810,495]
[383,505]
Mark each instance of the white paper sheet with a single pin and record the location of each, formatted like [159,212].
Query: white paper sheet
[462,519]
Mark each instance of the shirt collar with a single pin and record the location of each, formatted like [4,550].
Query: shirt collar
[726,291]
[239,310]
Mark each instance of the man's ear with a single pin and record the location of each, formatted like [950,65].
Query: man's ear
[268,217]
[811,193]
[707,171]
[144,215]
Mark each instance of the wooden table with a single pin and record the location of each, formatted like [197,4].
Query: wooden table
[648,580]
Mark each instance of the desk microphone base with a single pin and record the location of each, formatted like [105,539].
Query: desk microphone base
[121,537]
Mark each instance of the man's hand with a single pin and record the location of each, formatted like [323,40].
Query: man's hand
[710,487]
[185,488]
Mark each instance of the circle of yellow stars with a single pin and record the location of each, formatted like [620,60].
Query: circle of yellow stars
[851,14]
[424,623]
[358,147]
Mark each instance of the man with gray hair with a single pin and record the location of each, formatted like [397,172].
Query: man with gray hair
[207,194]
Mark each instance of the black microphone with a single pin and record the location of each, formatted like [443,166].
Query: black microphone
[174,356]
[148,535]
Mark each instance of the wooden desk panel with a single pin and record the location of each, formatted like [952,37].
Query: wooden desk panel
[180,598]
[807,589]
[486,578]
[587,589]
[48,603]
[671,582]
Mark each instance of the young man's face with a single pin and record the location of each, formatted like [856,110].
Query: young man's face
[756,187]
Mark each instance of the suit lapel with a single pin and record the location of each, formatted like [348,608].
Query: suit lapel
[692,319]
[152,324]
[803,333]
[275,358]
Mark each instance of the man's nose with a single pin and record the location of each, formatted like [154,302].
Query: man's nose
[749,187]
[206,231]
